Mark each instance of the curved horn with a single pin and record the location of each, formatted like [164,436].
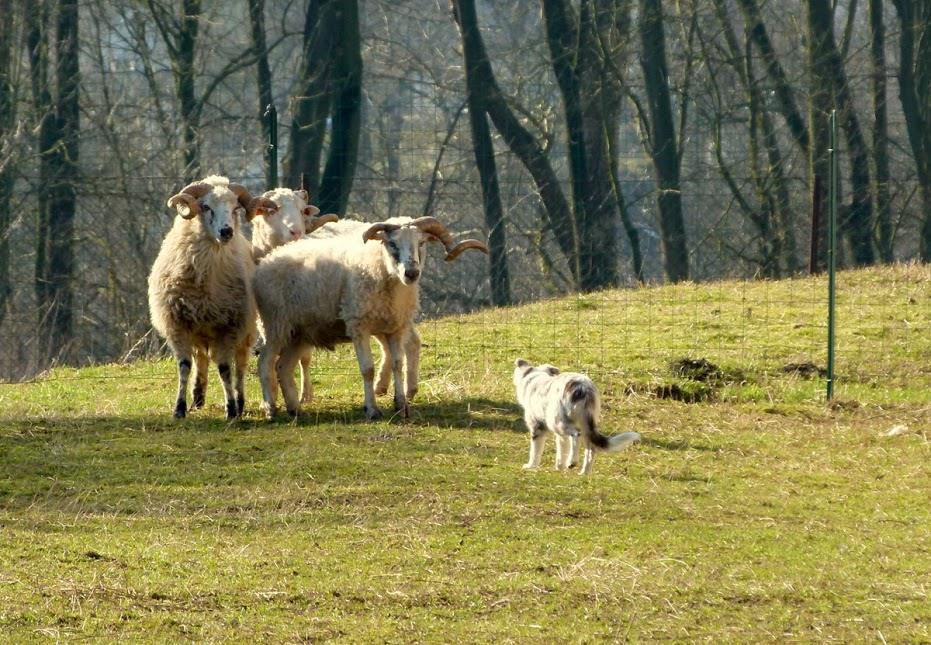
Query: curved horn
[259,202]
[242,194]
[186,205]
[436,228]
[465,245]
[372,231]
[317,222]
[186,200]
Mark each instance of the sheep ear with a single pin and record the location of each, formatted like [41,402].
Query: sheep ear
[300,192]
[311,211]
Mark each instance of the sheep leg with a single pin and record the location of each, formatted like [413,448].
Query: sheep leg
[183,354]
[268,378]
[223,357]
[412,352]
[287,360]
[384,367]
[242,360]
[307,386]
[200,378]
[396,352]
[367,368]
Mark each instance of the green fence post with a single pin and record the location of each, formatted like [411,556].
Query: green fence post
[271,152]
[832,248]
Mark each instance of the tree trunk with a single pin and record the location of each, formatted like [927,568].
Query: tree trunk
[521,142]
[184,86]
[784,94]
[7,123]
[264,81]
[311,106]
[915,94]
[343,153]
[664,148]
[574,56]
[880,130]
[819,31]
[491,199]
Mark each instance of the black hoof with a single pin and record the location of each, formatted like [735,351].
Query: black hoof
[373,414]
[240,404]
[231,410]
[180,410]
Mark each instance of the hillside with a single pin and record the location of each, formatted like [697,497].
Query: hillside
[752,511]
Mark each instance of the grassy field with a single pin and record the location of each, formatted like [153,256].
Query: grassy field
[752,511]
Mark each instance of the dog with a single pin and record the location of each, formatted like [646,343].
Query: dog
[568,406]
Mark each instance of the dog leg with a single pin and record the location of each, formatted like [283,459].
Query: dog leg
[537,439]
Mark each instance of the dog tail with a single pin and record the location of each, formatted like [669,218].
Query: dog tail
[582,395]
[613,443]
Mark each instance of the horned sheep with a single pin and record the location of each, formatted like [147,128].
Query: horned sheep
[346,288]
[200,289]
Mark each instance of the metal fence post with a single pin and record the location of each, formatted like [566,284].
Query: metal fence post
[271,152]
[832,248]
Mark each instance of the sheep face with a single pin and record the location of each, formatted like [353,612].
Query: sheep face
[219,214]
[403,251]
[289,221]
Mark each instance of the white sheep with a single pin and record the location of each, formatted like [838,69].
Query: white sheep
[319,292]
[200,289]
[283,217]
[411,344]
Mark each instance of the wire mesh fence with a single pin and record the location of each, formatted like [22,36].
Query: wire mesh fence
[121,221]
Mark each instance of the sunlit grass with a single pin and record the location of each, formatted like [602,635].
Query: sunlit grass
[757,513]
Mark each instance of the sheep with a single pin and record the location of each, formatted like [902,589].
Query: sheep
[200,289]
[283,216]
[412,343]
[319,292]
[286,219]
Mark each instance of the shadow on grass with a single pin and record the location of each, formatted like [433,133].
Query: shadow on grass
[678,444]
[480,413]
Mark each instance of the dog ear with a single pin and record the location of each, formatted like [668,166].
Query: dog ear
[551,370]
[520,362]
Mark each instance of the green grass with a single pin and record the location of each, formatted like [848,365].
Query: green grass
[757,513]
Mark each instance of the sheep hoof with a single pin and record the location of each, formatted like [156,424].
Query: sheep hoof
[411,393]
[197,400]
[381,390]
[373,413]
[403,409]
[231,410]
[240,405]
[180,410]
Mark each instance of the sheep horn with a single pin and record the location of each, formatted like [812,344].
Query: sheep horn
[189,196]
[372,231]
[242,193]
[317,222]
[259,202]
[465,245]
[436,228]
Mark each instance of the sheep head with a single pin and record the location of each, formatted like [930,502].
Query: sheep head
[404,241]
[216,203]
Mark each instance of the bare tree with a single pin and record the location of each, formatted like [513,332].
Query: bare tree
[662,140]
[8,115]
[330,90]
[915,92]
[880,130]
[484,149]
[59,129]
[263,81]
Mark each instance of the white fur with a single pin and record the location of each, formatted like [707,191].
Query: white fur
[319,291]
[200,295]
[568,405]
